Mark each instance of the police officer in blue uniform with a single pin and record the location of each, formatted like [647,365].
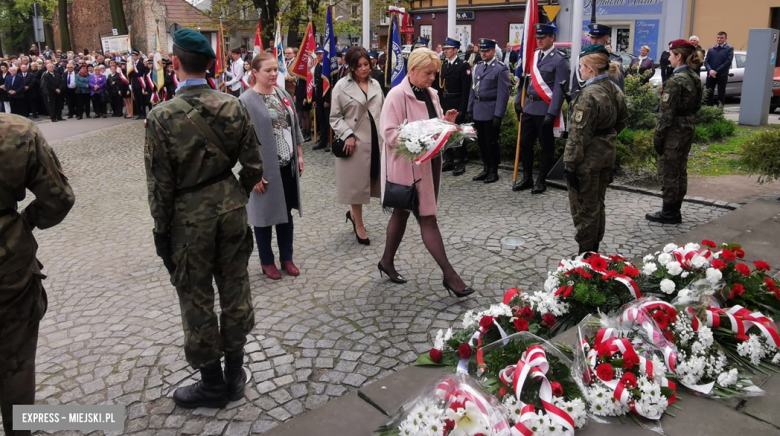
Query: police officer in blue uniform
[601,34]
[420,42]
[537,116]
[488,99]
[322,104]
[454,86]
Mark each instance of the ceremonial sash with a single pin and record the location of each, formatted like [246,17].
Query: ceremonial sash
[545,93]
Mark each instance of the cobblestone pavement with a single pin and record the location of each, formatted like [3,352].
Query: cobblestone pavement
[113,334]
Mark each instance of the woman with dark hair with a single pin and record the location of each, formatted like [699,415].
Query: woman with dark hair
[114,85]
[270,204]
[5,106]
[355,108]
[676,126]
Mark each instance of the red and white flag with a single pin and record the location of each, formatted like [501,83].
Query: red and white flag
[304,63]
[258,39]
[529,33]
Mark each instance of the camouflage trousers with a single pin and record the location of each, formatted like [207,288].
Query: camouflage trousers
[587,207]
[217,248]
[22,305]
[673,166]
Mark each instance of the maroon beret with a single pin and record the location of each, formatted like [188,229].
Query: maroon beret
[681,43]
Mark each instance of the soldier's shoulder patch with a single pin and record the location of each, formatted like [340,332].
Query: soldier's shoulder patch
[665,98]
[578,116]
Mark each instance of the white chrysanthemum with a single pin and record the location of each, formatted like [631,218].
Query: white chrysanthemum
[754,349]
[699,261]
[714,276]
[511,404]
[664,258]
[413,145]
[727,379]
[648,258]
[692,246]
[576,408]
[659,368]
[547,302]
[685,274]
[649,268]
[448,334]
[496,310]
[552,283]
[438,341]
[669,248]
[469,320]
[667,286]
[674,268]
[776,359]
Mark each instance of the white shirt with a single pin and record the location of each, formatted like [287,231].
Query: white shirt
[72,75]
[236,73]
[547,52]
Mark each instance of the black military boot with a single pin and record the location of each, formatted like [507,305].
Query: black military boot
[235,376]
[481,176]
[678,211]
[492,175]
[526,183]
[460,168]
[540,186]
[210,391]
[667,215]
[448,165]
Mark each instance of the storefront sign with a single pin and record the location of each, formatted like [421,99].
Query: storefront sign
[119,43]
[464,15]
[624,7]
[646,33]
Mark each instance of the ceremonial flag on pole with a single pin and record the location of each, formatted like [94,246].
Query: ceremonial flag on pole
[330,63]
[218,67]
[529,34]
[159,70]
[396,69]
[304,63]
[258,38]
[279,54]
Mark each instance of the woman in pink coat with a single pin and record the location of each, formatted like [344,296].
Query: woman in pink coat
[414,100]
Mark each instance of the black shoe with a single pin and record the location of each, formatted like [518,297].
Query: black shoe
[398,278]
[492,177]
[35,117]
[327,150]
[525,184]
[61,119]
[360,240]
[667,215]
[464,293]
[53,120]
[78,118]
[211,391]
[448,165]
[319,146]
[235,377]
[539,187]
[481,176]
[459,170]
[70,116]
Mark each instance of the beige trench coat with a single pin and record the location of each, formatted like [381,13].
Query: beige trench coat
[347,108]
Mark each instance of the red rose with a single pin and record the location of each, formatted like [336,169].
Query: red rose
[549,320]
[761,265]
[486,323]
[503,391]
[557,389]
[605,372]
[743,269]
[736,291]
[740,253]
[708,243]
[435,355]
[527,312]
[560,290]
[465,351]
[630,271]
[521,324]
[630,359]
[718,264]
[661,319]
[597,263]
[728,255]
[769,282]
[628,380]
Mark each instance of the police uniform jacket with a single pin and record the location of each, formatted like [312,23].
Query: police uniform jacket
[454,85]
[319,83]
[620,81]
[554,68]
[138,74]
[489,94]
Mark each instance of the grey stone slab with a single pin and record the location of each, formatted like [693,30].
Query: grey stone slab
[704,416]
[749,216]
[765,408]
[395,390]
[345,416]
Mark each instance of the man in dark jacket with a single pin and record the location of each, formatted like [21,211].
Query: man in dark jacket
[14,86]
[454,86]
[31,91]
[717,64]
[136,77]
[322,105]
[52,87]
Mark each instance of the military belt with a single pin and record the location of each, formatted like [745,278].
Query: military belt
[604,132]
[485,98]
[224,175]
[683,114]
[7,201]
[534,97]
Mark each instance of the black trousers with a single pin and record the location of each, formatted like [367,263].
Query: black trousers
[17,106]
[97,105]
[323,124]
[487,137]
[458,154]
[720,81]
[116,105]
[54,105]
[533,129]
[139,103]
[83,105]
[72,100]
[32,104]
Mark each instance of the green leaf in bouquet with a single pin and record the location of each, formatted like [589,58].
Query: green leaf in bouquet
[534,328]
[425,360]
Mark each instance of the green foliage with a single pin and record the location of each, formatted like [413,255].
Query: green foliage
[507,139]
[761,154]
[586,294]
[709,115]
[702,134]
[642,102]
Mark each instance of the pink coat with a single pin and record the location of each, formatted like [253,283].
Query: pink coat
[398,168]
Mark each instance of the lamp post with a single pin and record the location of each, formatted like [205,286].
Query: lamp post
[451,17]
[366,24]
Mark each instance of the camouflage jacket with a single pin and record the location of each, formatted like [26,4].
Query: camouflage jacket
[27,162]
[596,117]
[188,178]
[680,101]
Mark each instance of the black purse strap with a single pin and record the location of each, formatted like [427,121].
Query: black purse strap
[406,118]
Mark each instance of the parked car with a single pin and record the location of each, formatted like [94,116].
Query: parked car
[406,49]
[736,75]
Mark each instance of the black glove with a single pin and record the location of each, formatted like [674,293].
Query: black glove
[497,121]
[659,146]
[549,121]
[518,108]
[572,179]
[459,118]
[468,118]
[162,242]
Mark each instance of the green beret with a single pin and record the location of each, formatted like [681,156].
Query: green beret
[594,49]
[194,42]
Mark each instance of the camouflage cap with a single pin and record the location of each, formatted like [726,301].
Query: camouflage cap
[193,41]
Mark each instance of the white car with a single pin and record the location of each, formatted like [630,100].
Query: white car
[736,75]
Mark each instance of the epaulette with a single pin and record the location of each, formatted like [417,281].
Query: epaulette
[562,53]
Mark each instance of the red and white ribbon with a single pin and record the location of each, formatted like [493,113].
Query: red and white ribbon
[741,320]
[477,337]
[434,149]
[546,94]
[640,314]
[122,77]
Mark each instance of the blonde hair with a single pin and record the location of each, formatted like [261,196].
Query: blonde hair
[600,63]
[421,58]
[692,57]
[645,47]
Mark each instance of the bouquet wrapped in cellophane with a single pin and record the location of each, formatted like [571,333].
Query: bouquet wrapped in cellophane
[420,141]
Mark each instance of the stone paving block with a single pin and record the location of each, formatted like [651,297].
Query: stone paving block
[345,416]
[704,416]
[394,391]
[765,407]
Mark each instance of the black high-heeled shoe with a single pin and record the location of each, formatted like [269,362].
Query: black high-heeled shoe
[464,293]
[398,279]
[360,240]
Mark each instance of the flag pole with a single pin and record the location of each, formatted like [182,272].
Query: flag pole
[519,129]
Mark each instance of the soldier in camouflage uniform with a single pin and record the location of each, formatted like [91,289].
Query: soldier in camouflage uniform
[680,101]
[596,116]
[26,162]
[200,223]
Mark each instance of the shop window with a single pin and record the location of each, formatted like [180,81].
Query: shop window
[622,39]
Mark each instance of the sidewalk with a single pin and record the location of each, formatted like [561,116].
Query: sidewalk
[732,113]
[754,226]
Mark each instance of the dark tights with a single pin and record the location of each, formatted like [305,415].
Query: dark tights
[431,237]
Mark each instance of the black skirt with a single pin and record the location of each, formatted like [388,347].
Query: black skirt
[290,186]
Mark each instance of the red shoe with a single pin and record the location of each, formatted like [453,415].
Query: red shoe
[272,272]
[290,267]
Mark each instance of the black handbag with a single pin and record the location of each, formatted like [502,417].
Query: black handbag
[399,196]
[337,148]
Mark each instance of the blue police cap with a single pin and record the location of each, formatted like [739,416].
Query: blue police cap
[373,55]
[193,41]
[420,41]
[486,44]
[598,30]
[319,50]
[545,29]
[451,43]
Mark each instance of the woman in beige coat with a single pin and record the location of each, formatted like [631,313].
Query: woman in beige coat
[356,107]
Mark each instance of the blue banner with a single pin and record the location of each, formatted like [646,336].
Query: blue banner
[624,7]
[330,64]
[399,69]
[646,33]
